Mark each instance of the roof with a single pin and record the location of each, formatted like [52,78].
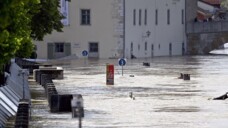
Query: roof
[212,2]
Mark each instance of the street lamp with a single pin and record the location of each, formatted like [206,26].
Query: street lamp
[147,35]
[23,73]
[124,27]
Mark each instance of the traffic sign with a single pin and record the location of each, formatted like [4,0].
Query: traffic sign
[85,53]
[122,62]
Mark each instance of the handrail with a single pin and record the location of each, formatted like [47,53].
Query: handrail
[206,27]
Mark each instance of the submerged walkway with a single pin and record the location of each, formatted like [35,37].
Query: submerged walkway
[38,103]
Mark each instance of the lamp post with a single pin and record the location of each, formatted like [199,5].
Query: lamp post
[124,27]
[22,72]
[144,36]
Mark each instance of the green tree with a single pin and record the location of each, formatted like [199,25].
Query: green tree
[224,4]
[47,20]
[24,20]
[14,26]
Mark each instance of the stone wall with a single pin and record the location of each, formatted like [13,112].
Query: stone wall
[191,8]
[201,44]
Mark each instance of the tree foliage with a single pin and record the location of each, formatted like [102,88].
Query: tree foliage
[224,4]
[47,20]
[24,20]
[14,26]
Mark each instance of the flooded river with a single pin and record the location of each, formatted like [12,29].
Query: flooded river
[161,100]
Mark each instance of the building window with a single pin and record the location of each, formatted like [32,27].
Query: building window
[140,16]
[170,49]
[93,47]
[156,16]
[159,46]
[182,16]
[145,17]
[145,46]
[168,16]
[131,46]
[138,47]
[59,47]
[85,17]
[183,49]
[134,17]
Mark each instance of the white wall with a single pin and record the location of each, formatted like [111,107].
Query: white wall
[107,28]
[101,30]
[162,33]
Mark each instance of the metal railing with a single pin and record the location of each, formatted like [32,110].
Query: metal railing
[207,27]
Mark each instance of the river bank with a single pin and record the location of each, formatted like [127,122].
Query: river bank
[161,100]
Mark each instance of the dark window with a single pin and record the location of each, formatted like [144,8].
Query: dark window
[145,18]
[182,16]
[145,46]
[131,46]
[85,17]
[93,47]
[168,16]
[170,46]
[156,16]
[170,49]
[59,47]
[159,46]
[134,17]
[140,16]
[183,49]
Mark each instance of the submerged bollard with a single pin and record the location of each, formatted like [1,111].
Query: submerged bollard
[146,64]
[223,97]
[186,77]
[22,116]
[181,76]
[77,108]
[60,103]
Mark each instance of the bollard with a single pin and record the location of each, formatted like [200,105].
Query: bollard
[109,74]
[146,64]
[181,76]
[186,77]
[60,103]
[49,86]
[77,108]
[54,103]
[51,91]
[223,97]
[43,79]
[22,116]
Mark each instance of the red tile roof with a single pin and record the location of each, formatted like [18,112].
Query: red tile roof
[213,2]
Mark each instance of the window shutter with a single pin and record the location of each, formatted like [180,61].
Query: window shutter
[67,49]
[50,50]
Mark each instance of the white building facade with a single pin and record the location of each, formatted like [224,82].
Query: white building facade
[118,28]
[154,28]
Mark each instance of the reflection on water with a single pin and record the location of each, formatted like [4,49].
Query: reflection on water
[161,101]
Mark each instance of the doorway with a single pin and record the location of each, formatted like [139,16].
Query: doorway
[93,50]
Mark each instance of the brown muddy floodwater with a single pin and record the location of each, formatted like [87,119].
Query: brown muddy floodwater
[161,100]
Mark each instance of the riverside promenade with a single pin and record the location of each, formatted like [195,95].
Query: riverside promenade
[19,89]
[161,99]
